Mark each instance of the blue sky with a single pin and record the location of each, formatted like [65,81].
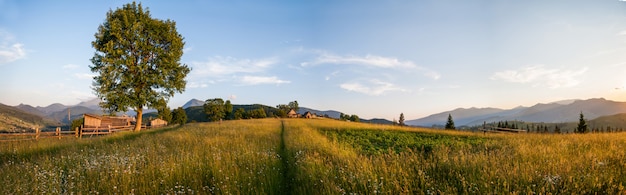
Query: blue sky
[370,58]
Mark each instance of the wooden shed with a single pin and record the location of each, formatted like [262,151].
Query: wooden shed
[308,115]
[292,114]
[158,122]
[92,120]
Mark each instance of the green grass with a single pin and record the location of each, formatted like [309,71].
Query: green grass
[298,156]
[376,142]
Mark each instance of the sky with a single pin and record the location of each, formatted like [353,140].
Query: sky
[375,59]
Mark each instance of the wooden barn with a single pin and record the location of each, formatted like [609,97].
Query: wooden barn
[158,122]
[292,114]
[92,120]
[308,115]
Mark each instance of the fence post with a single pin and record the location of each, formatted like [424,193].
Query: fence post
[59,132]
[37,133]
[76,134]
[80,132]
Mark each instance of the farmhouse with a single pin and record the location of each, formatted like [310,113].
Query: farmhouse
[292,114]
[158,122]
[308,115]
[92,120]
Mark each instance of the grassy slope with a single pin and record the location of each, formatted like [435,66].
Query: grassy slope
[319,156]
[15,120]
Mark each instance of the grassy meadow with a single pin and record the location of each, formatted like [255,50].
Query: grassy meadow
[314,156]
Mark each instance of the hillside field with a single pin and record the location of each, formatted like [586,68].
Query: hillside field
[314,156]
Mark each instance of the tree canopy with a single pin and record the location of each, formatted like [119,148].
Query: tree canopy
[179,116]
[137,61]
[216,109]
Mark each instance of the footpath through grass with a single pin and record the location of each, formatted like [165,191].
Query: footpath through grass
[320,156]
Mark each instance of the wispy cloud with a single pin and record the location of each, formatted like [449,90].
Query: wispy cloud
[373,61]
[10,50]
[222,66]
[84,75]
[258,80]
[372,87]
[193,85]
[538,75]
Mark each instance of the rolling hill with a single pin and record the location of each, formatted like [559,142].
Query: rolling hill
[556,112]
[13,119]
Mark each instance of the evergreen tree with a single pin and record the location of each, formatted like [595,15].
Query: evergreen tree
[557,130]
[137,61]
[450,123]
[401,121]
[582,124]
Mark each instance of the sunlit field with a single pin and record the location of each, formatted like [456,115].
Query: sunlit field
[314,156]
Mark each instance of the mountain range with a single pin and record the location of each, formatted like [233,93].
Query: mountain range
[555,112]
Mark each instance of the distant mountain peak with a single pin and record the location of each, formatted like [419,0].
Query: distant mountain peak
[559,111]
[193,103]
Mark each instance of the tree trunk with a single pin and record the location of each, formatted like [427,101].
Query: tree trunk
[139,119]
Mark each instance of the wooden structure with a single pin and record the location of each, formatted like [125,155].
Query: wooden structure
[488,129]
[293,114]
[158,122]
[97,125]
[308,115]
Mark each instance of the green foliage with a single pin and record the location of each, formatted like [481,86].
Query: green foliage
[376,142]
[228,110]
[294,105]
[215,109]
[282,110]
[137,61]
[354,118]
[347,117]
[179,116]
[239,114]
[450,123]
[165,113]
[77,123]
[257,113]
[582,124]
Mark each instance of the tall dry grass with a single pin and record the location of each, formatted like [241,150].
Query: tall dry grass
[237,157]
[299,156]
[513,163]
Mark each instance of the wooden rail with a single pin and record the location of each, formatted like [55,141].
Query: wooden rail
[501,130]
[59,133]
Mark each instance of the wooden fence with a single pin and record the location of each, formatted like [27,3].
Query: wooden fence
[501,130]
[59,133]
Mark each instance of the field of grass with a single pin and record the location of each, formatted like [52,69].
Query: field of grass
[319,156]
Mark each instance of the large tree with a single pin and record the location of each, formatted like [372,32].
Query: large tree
[215,109]
[137,61]
[401,121]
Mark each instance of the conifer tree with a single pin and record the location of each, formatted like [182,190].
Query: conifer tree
[450,123]
[401,121]
[582,124]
